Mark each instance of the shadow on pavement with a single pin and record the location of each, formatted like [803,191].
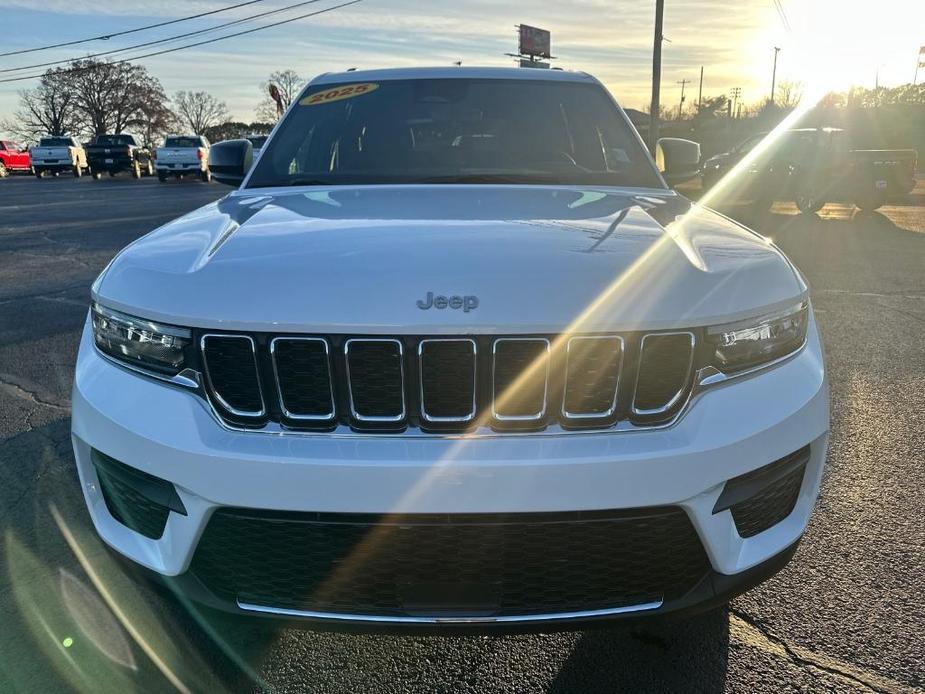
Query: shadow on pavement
[675,656]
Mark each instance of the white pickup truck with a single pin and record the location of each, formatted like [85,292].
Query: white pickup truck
[182,155]
[57,154]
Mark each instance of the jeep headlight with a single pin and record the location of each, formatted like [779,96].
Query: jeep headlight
[140,342]
[753,342]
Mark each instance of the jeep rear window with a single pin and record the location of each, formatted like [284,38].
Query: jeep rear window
[456,130]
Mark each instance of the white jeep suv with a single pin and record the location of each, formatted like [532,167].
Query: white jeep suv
[452,353]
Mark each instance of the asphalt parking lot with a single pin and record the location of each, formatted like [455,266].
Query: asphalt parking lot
[848,614]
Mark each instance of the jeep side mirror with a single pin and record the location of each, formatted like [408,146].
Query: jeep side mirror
[230,161]
[677,159]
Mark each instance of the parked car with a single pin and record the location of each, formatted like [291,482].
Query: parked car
[257,142]
[438,364]
[115,153]
[811,166]
[56,154]
[182,155]
[13,158]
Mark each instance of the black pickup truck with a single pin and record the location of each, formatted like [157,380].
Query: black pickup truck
[115,153]
[811,166]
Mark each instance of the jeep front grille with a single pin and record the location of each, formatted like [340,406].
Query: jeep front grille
[452,383]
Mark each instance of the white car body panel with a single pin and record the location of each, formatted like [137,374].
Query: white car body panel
[519,249]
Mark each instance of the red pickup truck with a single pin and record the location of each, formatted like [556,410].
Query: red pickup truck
[13,158]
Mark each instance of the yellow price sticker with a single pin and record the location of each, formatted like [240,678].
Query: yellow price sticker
[348,91]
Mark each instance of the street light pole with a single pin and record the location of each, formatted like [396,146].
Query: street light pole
[656,74]
[774,73]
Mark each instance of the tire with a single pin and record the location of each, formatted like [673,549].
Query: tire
[161,176]
[4,172]
[39,174]
[136,170]
[97,175]
[871,200]
[77,171]
[205,176]
[807,203]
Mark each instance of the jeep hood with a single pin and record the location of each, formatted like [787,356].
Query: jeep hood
[538,259]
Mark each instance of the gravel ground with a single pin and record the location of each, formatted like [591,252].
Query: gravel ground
[846,615]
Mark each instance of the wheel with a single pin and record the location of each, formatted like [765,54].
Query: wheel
[77,171]
[39,174]
[808,203]
[205,176]
[136,170]
[112,174]
[870,200]
[97,175]
[161,176]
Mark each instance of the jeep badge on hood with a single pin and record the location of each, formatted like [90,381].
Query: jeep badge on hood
[466,303]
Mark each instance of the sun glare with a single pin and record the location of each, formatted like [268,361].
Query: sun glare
[837,44]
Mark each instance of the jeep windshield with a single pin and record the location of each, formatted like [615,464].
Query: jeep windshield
[455,130]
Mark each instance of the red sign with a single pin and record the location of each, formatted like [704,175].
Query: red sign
[534,42]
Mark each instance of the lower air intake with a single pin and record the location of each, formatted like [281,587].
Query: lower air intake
[429,564]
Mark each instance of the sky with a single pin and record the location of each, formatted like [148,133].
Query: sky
[825,44]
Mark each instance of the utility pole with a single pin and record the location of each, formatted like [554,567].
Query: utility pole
[700,91]
[656,74]
[683,83]
[774,73]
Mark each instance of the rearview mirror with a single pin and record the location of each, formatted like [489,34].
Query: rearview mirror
[230,161]
[677,159]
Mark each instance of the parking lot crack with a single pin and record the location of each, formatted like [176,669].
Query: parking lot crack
[8,385]
[746,629]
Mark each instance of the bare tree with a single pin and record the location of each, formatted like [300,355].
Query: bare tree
[48,109]
[115,96]
[200,110]
[289,84]
[789,94]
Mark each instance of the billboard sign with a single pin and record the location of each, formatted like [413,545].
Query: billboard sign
[534,42]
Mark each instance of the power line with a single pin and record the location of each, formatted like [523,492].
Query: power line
[106,37]
[782,13]
[165,40]
[200,43]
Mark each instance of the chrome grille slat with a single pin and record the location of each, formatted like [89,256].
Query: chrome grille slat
[682,375]
[302,405]
[465,378]
[582,367]
[516,370]
[363,390]
[243,376]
